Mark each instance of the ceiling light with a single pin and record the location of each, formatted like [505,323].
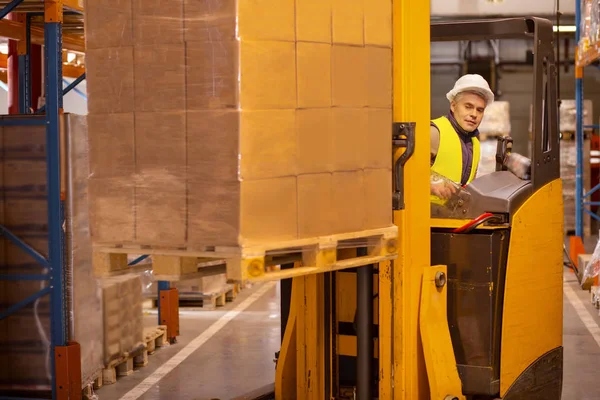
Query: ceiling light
[565,28]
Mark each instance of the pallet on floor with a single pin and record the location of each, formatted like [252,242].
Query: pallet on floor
[208,301]
[154,337]
[250,262]
[88,392]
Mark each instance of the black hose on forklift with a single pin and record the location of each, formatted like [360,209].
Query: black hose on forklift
[569,263]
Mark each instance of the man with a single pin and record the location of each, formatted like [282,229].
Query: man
[455,137]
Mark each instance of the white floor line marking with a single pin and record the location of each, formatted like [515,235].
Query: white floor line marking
[586,317]
[194,345]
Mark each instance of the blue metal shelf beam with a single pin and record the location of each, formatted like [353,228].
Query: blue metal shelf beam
[16,307]
[22,122]
[9,8]
[25,277]
[578,135]
[74,84]
[55,194]
[24,246]
[71,86]
[53,59]
[138,260]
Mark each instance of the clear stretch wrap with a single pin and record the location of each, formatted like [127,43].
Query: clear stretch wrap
[590,24]
[487,158]
[568,163]
[122,315]
[592,268]
[221,122]
[496,119]
[567,115]
[25,336]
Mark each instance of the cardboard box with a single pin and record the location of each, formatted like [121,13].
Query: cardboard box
[112,210]
[267,75]
[24,211]
[266,20]
[110,80]
[159,77]
[313,21]
[24,175]
[315,205]
[349,205]
[121,309]
[108,23]
[210,21]
[378,197]
[350,138]
[378,22]
[158,22]
[349,76]
[160,139]
[269,210]
[230,134]
[268,145]
[226,213]
[212,82]
[379,139]
[160,195]
[209,157]
[314,129]
[111,145]
[314,75]
[348,21]
[379,72]
[214,205]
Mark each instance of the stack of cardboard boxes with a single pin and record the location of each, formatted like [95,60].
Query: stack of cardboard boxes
[122,315]
[25,336]
[23,210]
[242,121]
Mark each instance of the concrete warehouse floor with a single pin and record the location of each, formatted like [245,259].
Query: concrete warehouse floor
[230,353]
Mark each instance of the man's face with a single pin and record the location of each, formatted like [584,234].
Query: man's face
[468,110]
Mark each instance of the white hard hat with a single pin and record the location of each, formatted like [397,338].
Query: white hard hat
[472,82]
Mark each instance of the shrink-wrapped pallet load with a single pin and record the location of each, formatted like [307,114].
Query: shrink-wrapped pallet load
[26,359]
[122,315]
[496,119]
[222,123]
[568,167]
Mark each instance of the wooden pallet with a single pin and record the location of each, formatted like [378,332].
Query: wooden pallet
[250,262]
[154,337]
[208,301]
[491,135]
[97,382]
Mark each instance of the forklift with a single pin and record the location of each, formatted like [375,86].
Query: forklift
[472,308]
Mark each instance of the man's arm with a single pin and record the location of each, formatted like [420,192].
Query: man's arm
[434,134]
[440,189]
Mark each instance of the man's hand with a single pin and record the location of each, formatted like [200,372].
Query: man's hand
[443,190]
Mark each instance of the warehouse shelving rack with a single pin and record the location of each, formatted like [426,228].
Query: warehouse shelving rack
[42,22]
[582,59]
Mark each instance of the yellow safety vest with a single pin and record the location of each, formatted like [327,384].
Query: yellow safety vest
[448,161]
